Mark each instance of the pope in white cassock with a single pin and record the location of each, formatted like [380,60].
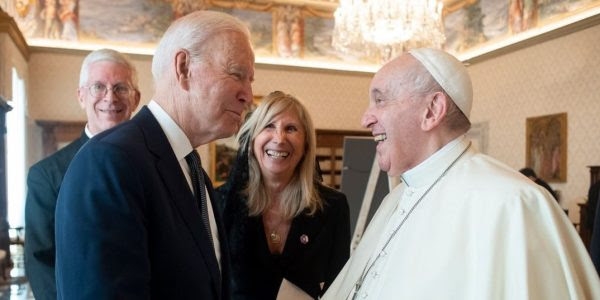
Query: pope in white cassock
[460,225]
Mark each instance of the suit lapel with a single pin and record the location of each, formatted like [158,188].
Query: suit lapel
[303,232]
[181,195]
[82,139]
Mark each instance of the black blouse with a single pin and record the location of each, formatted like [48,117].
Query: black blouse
[316,249]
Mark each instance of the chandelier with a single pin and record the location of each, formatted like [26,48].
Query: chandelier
[382,29]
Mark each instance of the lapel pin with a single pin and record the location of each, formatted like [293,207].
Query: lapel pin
[304,239]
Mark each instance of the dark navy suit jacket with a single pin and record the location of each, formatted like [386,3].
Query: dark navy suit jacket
[595,240]
[43,183]
[127,223]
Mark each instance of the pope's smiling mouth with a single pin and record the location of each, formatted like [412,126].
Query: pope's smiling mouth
[277,154]
[380,137]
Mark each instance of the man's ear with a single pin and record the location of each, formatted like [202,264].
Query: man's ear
[437,106]
[80,97]
[136,100]
[182,68]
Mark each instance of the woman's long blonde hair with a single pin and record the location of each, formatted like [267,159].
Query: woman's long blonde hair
[300,193]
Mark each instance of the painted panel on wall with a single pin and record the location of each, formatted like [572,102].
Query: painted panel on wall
[547,146]
[129,21]
[489,21]
[288,31]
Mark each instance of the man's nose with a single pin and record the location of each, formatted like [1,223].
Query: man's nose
[247,95]
[110,95]
[367,120]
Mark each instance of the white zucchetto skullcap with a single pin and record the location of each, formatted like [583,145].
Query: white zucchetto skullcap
[450,74]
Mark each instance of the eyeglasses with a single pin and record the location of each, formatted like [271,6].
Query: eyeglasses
[99,90]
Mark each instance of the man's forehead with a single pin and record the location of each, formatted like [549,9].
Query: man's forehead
[102,67]
[382,83]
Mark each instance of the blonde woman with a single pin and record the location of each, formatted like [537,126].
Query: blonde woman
[287,232]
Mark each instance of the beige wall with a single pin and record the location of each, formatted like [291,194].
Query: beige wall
[335,98]
[559,75]
[54,80]
[11,56]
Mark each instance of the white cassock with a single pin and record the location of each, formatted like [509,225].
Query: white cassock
[483,231]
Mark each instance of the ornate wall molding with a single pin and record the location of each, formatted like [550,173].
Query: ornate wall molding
[9,26]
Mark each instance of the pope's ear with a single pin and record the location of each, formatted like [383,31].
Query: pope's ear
[437,106]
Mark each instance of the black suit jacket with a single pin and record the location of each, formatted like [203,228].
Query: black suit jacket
[595,239]
[316,249]
[592,203]
[127,223]
[43,183]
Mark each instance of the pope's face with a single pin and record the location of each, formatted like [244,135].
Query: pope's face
[394,119]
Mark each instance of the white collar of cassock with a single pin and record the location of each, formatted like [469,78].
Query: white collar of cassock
[430,169]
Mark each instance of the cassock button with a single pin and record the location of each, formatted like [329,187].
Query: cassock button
[304,239]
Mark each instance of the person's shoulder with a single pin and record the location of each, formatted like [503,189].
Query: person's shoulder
[326,190]
[482,163]
[116,131]
[127,136]
[485,172]
[60,158]
[490,180]
[141,130]
[330,196]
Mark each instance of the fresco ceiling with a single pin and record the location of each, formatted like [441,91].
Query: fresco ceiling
[282,30]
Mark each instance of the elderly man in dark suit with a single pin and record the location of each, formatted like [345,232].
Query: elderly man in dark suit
[135,217]
[108,93]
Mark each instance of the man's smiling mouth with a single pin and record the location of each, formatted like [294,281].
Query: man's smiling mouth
[380,137]
[110,110]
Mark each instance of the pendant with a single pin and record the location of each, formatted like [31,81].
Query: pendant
[275,238]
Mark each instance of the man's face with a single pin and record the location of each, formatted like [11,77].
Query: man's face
[107,110]
[394,119]
[220,88]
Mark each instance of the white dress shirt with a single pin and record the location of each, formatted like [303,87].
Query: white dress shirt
[181,147]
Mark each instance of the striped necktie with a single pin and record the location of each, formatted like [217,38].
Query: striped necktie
[197,175]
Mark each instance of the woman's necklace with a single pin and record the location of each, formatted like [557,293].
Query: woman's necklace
[365,272]
[274,237]
[274,231]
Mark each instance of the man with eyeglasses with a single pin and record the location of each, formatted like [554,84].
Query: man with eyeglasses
[108,92]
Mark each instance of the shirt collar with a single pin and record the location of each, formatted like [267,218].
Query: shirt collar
[431,168]
[87,131]
[179,142]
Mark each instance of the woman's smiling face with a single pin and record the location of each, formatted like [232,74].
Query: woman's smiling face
[280,146]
